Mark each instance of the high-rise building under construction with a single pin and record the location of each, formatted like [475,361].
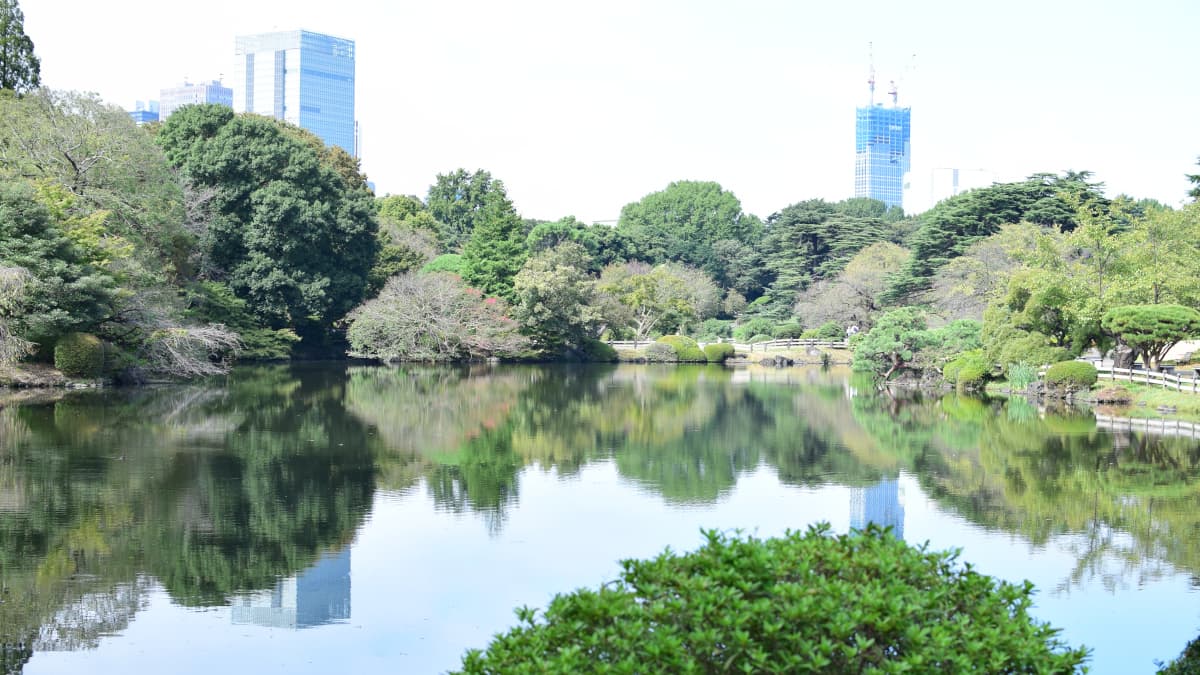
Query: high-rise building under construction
[882,152]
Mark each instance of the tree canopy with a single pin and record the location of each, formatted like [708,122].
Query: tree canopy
[287,232]
[20,68]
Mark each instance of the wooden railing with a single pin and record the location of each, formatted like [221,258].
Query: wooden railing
[1166,380]
[785,343]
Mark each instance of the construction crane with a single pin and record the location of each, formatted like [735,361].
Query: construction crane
[893,92]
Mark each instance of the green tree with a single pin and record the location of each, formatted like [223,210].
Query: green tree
[20,68]
[1152,330]
[459,201]
[661,299]
[893,342]
[684,223]
[854,296]
[496,249]
[288,232]
[555,297]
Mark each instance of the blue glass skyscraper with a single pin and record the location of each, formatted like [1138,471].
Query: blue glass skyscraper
[882,152]
[302,77]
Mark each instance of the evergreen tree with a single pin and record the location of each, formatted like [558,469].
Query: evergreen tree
[496,250]
[20,69]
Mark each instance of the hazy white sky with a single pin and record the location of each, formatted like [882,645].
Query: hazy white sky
[583,107]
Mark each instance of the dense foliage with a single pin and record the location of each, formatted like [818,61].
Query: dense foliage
[1071,375]
[810,602]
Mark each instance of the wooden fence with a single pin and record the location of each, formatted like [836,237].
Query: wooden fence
[1165,380]
[747,347]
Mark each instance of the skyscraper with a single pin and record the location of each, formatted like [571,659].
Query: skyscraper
[299,76]
[882,153]
[169,100]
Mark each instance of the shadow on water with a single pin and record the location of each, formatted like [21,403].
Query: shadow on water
[220,491]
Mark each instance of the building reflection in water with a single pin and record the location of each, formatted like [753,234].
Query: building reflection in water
[879,504]
[317,596]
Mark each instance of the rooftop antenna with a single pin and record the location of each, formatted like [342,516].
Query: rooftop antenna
[871,78]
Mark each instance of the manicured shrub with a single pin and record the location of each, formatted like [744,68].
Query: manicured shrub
[811,334]
[660,352]
[968,370]
[785,331]
[1071,375]
[813,602]
[830,330]
[718,353]
[761,337]
[685,348]
[755,326]
[597,351]
[79,355]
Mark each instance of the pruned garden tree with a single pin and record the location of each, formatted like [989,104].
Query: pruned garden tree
[660,299]
[12,286]
[892,343]
[1151,330]
[433,317]
[854,296]
[20,68]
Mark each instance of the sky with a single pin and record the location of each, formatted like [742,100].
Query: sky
[581,108]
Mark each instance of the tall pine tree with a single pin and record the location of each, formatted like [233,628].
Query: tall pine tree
[20,69]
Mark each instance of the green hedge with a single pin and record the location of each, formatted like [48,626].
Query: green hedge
[761,337]
[685,348]
[1071,375]
[660,352]
[79,355]
[597,351]
[813,602]
[718,353]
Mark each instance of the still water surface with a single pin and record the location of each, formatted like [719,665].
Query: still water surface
[333,518]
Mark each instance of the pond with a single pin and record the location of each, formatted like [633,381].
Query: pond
[332,517]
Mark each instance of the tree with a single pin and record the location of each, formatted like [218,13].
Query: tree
[663,299]
[854,296]
[892,343]
[952,225]
[432,317]
[683,224]
[1152,330]
[555,298]
[12,287]
[458,200]
[496,249]
[20,68]
[289,233]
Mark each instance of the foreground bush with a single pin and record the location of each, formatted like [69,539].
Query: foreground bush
[1071,375]
[1188,663]
[79,355]
[800,603]
[718,353]
[685,348]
